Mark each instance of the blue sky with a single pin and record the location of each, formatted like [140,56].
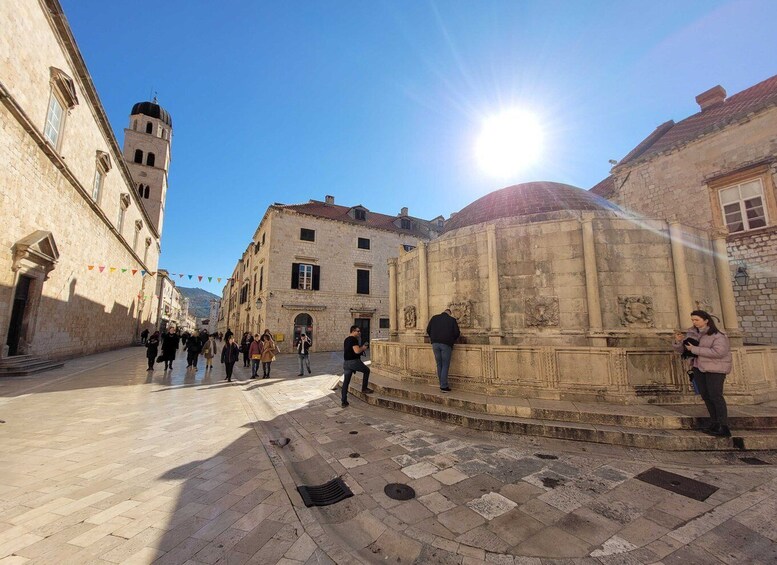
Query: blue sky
[380,103]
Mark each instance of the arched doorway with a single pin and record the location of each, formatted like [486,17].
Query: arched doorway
[303,323]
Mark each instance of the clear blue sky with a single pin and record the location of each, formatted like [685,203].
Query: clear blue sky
[380,102]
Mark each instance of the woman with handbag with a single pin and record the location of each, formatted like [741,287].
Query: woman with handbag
[255,353]
[711,362]
[209,351]
[230,354]
[268,351]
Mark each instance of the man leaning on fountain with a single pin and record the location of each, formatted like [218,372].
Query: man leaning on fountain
[443,332]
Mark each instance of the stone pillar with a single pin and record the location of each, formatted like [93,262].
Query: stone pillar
[423,288]
[682,289]
[591,277]
[393,314]
[494,303]
[725,285]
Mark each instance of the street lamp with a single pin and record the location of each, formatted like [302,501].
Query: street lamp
[742,276]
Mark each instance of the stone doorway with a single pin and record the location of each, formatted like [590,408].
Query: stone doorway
[364,326]
[16,328]
[303,323]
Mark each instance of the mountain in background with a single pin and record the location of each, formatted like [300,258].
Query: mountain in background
[199,300]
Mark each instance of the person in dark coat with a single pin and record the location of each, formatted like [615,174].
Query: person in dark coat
[170,343]
[193,347]
[152,349]
[144,336]
[443,330]
[228,335]
[230,354]
[245,347]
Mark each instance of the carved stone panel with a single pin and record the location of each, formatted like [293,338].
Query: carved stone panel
[410,317]
[462,311]
[636,311]
[542,311]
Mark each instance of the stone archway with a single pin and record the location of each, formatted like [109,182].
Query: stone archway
[303,323]
[34,257]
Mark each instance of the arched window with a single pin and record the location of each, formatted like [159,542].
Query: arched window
[150,159]
[138,156]
[145,193]
[303,323]
[149,127]
[140,190]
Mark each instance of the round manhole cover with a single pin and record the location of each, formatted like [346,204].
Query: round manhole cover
[354,455]
[398,491]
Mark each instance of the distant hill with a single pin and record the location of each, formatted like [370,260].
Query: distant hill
[199,300]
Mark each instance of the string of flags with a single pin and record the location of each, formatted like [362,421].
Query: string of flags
[143,273]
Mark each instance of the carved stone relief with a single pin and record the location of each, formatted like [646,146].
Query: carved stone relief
[703,304]
[636,311]
[462,311]
[410,317]
[542,311]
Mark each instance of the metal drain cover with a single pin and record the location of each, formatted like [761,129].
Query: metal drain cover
[545,456]
[677,484]
[398,491]
[326,494]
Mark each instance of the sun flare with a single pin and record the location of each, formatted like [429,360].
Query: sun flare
[509,143]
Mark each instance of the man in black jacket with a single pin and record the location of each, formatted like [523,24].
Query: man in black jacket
[443,332]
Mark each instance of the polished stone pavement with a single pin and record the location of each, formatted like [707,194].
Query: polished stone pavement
[103,462]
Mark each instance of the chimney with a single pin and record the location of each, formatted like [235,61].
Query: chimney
[403,212]
[329,199]
[712,98]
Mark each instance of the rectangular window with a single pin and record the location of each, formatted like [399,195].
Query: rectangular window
[408,247]
[263,239]
[362,281]
[305,276]
[364,243]
[97,185]
[743,206]
[384,323]
[54,119]
[307,235]
[261,277]
[360,214]
[406,224]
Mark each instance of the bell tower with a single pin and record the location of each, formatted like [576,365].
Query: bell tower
[147,154]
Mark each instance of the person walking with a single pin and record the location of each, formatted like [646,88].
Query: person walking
[268,350]
[255,353]
[152,349]
[245,345]
[230,354]
[352,362]
[193,347]
[170,343]
[144,336]
[228,334]
[711,361]
[209,349]
[303,351]
[443,330]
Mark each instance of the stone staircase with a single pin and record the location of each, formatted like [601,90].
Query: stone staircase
[668,427]
[24,365]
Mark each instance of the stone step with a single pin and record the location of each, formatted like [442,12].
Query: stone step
[668,440]
[16,360]
[32,367]
[647,417]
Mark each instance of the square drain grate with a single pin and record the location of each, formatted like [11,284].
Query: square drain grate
[677,484]
[326,494]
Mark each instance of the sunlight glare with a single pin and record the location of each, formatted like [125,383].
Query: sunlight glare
[508,143]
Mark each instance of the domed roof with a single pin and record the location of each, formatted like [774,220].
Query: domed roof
[153,110]
[527,199]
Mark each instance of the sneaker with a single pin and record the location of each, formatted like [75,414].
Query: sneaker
[308,370]
[253,376]
[299,374]
[344,404]
[446,389]
[722,431]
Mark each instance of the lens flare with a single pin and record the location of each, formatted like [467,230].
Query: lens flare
[509,143]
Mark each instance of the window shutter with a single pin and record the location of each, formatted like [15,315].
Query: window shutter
[295,275]
[316,276]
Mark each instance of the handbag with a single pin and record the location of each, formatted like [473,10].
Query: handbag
[256,357]
[160,359]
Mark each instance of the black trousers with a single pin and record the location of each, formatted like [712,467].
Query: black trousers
[245,358]
[229,367]
[266,366]
[711,390]
[151,362]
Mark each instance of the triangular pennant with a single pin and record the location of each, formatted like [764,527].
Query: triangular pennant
[113,269]
[190,277]
[90,267]
[124,270]
[142,273]
[102,268]
[210,279]
[199,278]
[218,279]
[180,276]
[134,272]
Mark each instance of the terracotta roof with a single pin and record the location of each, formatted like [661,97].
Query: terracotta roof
[605,188]
[527,199]
[340,213]
[734,108]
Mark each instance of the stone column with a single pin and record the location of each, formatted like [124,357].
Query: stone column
[423,288]
[494,303]
[683,291]
[393,314]
[591,277]
[725,285]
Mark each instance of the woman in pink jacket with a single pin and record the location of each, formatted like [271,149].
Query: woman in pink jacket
[711,362]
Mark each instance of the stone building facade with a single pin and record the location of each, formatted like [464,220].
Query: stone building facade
[68,198]
[717,170]
[319,267]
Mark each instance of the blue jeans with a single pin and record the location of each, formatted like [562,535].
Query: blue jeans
[254,367]
[303,360]
[442,355]
[349,368]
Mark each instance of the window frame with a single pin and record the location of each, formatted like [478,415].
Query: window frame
[63,93]
[49,125]
[362,279]
[722,183]
[359,242]
[307,232]
[299,278]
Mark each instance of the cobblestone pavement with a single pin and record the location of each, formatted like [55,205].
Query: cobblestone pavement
[104,462]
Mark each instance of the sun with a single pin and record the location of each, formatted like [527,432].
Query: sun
[509,143]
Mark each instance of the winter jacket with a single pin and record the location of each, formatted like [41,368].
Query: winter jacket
[255,348]
[152,347]
[713,352]
[230,353]
[303,346]
[268,350]
[209,348]
[443,328]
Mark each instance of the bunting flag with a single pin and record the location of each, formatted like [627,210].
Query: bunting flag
[180,276]
[218,279]
[142,273]
[113,269]
[199,278]
[91,267]
[124,270]
[190,277]
[134,272]
[210,279]
[102,268]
